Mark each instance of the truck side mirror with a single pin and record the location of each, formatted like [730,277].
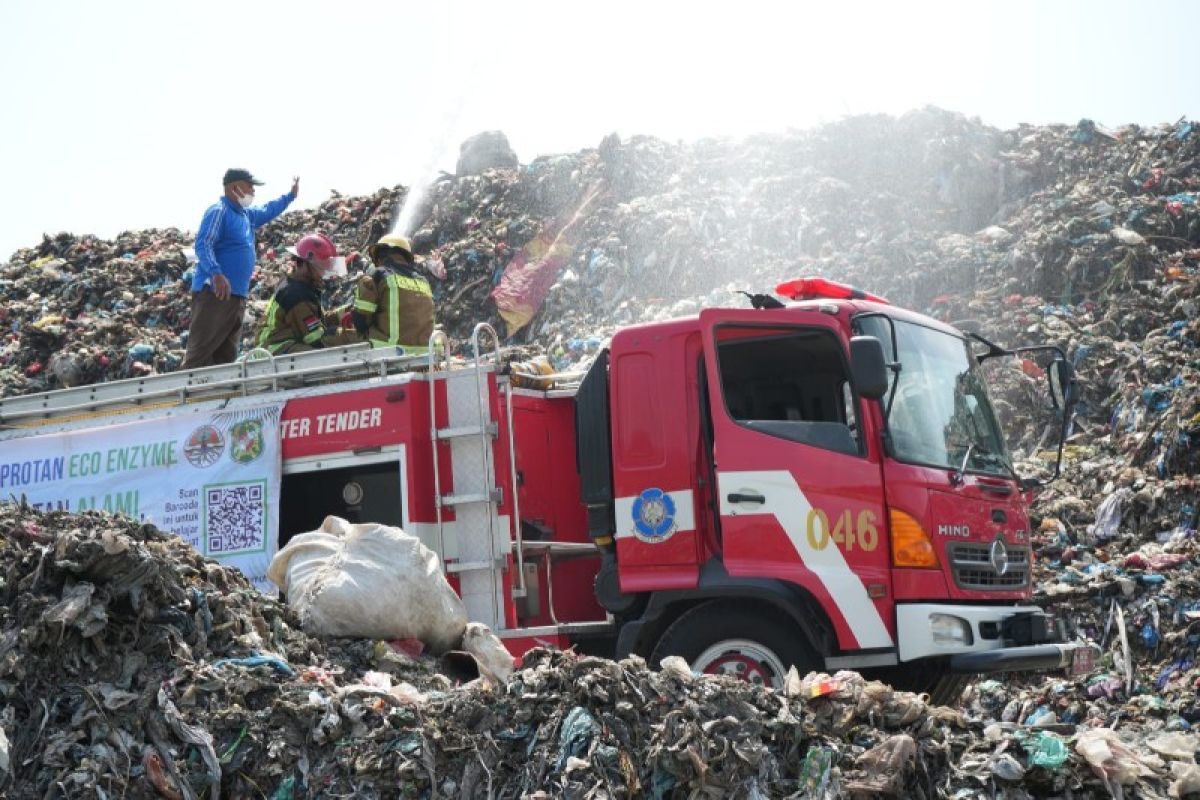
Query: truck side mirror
[868,367]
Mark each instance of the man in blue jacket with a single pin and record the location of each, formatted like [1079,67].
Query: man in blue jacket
[226,256]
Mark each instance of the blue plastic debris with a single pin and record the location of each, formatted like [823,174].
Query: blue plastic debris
[576,735]
[1040,714]
[286,789]
[1175,667]
[258,660]
[141,352]
[1149,636]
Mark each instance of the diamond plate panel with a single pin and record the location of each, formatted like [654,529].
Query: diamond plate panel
[470,466]
[464,400]
[478,602]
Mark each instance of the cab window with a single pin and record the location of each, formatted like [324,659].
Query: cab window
[792,383]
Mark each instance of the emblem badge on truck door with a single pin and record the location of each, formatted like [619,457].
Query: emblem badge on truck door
[653,516]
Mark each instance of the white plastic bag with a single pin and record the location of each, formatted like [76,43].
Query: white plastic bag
[370,581]
[1174,744]
[1113,761]
[494,660]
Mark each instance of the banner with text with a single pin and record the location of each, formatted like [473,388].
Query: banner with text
[212,479]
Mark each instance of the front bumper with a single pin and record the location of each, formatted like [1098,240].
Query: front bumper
[996,638]
[1075,656]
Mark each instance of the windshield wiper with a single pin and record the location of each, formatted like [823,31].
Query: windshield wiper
[990,458]
[982,456]
[956,477]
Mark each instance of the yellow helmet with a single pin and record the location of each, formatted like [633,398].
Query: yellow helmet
[391,240]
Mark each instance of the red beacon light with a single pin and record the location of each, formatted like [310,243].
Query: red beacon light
[814,288]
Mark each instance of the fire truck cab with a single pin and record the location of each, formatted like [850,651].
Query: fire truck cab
[823,484]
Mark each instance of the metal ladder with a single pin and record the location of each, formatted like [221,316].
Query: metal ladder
[481,543]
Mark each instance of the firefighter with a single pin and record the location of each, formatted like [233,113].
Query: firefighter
[295,322]
[393,305]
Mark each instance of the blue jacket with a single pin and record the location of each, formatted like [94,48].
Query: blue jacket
[225,242]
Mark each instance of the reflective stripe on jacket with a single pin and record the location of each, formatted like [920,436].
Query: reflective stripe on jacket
[293,316]
[398,307]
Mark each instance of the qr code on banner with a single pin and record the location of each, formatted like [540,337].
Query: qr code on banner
[235,518]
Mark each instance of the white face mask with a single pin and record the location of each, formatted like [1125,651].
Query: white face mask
[246,200]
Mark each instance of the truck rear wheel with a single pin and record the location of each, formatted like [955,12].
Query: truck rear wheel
[752,644]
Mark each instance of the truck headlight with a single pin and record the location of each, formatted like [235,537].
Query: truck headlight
[950,631]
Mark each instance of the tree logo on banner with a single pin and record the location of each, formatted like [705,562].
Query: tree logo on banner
[204,446]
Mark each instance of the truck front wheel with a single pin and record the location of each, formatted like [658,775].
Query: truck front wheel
[753,644]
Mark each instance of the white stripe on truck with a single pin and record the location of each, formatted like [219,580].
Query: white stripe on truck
[787,503]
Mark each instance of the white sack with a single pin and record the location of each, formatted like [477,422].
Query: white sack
[370,581]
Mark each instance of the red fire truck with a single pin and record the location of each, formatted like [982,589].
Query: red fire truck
[821,484]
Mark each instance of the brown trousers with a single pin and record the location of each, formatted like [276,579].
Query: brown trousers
[215,330]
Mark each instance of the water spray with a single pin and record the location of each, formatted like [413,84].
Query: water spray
[441,148]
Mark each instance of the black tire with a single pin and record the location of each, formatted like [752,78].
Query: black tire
[948,688]
[944,688]
[701,629]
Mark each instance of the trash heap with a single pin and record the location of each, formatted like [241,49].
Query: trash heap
[1103,262]
[132,667]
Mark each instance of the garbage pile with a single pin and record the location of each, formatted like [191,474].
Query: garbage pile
[1102,261]
[131,667]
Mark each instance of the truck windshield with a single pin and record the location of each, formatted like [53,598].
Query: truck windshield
[941,409]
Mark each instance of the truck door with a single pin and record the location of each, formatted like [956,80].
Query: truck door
[798,476]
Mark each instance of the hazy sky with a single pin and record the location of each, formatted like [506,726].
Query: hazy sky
[122,114]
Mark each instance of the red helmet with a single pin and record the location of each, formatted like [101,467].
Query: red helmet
[317,249]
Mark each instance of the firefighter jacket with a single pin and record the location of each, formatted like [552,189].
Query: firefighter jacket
[294,318]
[394,306]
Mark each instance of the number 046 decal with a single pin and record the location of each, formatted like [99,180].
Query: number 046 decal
[848,532]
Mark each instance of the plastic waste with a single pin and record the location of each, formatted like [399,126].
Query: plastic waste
[815,771]
[1126,236]
[1047,750]
[141,352]
[1007,768]
[578,729]
[259,660]
[1175,745]
[494,660]
[1108,516]
[677,667]
[1186,780]
[1112,760]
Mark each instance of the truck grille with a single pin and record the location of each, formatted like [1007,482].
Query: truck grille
[972,566]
